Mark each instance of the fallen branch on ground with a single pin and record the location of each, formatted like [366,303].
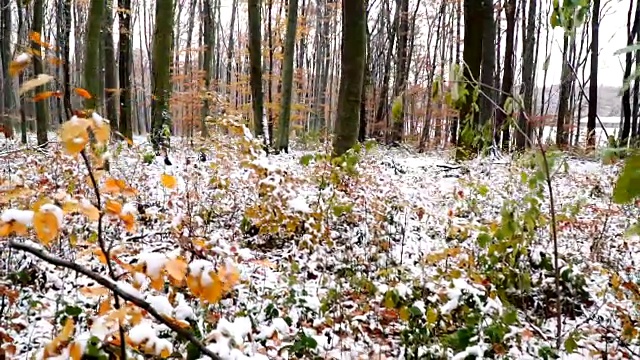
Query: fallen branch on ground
[116,290]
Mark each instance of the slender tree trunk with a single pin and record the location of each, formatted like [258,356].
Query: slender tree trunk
[255,55]
[161,74]
[626,96]
[125,62]
[563,101]
[231,45]
[382,111]
[487,99]
[593,81]
[5,58]
[110,73]
[472,56]
[354,36]
[92,66]
[208,63]
[524,124]
[42,116]
[287,77]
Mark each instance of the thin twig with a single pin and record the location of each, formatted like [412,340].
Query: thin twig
[111,285]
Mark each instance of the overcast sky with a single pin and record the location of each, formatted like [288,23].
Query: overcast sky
[612,38]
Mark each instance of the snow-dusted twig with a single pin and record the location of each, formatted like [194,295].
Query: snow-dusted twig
[116,290]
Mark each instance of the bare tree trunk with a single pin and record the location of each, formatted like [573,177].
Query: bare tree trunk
[354,38]
[255,55]
[287,77]
[110,74]
[42,116]
[125,63]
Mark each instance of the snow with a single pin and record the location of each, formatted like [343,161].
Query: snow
[24,217]
[395,239]
[23,58]
[55,210]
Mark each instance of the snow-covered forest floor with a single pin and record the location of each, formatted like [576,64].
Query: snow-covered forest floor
[389,255]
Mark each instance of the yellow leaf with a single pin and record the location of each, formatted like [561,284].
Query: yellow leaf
[129,221]
[213,292]
[82,93]
[46,226]
[5,229]
[75,351]
[12,226]
[100,255]
[615,281]
[90,211]
[164,353]
[67,330]
[194,285]
[101,129]
[41,201]
[113,186]
[113,207]
[39,80]
[74,135]
[19,64]
[104,307]
[176,268]
[94,291]
[157,283]
[168,181]
[46,94]
[404,313]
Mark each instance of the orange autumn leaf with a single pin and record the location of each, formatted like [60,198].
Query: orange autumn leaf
[114,186]
[74,135]
[35,37]
[113,207]
[46,94]
[168,181]
[19,64]
[55,61]
[100,255]
[94,291]
[46,226]
[176,268]
[75,351]
[157,283]
[105,306]
[82,93]
[129,221]
[213,292]
[11,227]
[90,211]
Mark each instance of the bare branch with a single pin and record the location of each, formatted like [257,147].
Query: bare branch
[116,290]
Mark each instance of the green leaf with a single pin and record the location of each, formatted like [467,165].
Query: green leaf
[306,159]
[73,310]
[511,317]
[570,344]
[627,187]
[484,239]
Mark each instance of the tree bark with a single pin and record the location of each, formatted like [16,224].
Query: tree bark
[42,116]
[92,66]
[354,39]
[125,62]
[472,58]
[287,77]
[255,56]
[593,81]
[161,74]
